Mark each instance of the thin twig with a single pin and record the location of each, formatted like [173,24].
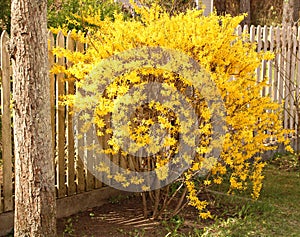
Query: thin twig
[179,205]
[145,209]
[156,203]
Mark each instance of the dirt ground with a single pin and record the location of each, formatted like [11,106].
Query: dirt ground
[124,218]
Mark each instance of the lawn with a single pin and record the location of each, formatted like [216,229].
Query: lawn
[276,213]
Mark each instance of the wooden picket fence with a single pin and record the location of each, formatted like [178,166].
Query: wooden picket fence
[71,176]
[283,72]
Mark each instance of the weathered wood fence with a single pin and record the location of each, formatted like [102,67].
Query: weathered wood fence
[72,178]
[76,187]
[283,72]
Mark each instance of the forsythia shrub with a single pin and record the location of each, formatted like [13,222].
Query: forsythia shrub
[251,119]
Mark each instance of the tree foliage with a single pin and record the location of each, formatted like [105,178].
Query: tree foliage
[70,13]
[61,13]
[5,15]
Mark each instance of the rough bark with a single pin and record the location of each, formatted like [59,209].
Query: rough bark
[35,210]
[246,8]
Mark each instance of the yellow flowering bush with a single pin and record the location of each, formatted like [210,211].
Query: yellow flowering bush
[251,120]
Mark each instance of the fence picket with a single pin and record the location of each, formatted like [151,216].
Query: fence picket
[90,155]
[80,179]
[282,64]
[252,33]
[52,92]
[265,43]
[258,39]
[239,30]
[70,129]
[6,126]
[297,79]
[61,118]
[287,78]
[246,29]
[270,64]
[1,167]
[277,65]
[292,77]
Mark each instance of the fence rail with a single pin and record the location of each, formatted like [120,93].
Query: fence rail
[71,176]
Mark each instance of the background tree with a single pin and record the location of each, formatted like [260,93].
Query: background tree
[220,6]
[290,13]
[35,209]
[4,15]
[267,12]
[245,7]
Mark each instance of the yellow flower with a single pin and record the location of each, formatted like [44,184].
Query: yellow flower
[218,180]
[119,178]
[162,172]
[205,215]
[136,180]
[145,188]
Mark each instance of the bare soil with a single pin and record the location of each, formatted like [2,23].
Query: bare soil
[124,218]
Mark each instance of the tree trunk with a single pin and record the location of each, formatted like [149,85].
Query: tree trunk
[35,209]
[246,8]
[290,14]
[220,6]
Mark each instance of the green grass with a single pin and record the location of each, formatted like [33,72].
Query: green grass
[276,213]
